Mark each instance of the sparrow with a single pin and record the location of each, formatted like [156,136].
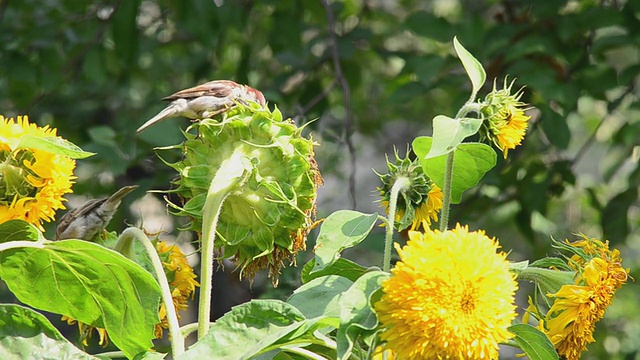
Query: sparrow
[86,221]
[206,100]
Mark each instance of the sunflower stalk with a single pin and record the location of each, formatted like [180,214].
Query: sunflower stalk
[124,246]
[446,191]
[469,107]
[399,185]
[230,174]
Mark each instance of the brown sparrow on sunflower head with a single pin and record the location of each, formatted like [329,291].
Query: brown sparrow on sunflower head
[206,100]
[88,220]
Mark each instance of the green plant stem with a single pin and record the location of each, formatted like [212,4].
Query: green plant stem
[112,355]
[467,108]
[400,184]
[305,353]
[446,191]
[124,241]
[230,174]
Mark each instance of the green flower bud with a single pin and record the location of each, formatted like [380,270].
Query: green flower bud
[419,202]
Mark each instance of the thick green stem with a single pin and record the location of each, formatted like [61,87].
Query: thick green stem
[124,241]
[400,184]
[230,173]
[446,192]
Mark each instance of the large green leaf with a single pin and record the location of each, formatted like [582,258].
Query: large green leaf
[343,267]
[90,283]
[471,162]
[533,342]
[448,133]
[340,230]
[320,296]
[26,334]
[358,316]
[246,330]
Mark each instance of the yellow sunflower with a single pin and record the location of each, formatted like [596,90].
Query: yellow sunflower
[181,281]
[506,123]
[33,181]
[577,308]
[450,296]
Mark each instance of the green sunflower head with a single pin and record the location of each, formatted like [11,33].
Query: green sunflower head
[265,219]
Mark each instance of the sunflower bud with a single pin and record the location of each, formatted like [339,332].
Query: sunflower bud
[419,202]
[264,220]
[506,123]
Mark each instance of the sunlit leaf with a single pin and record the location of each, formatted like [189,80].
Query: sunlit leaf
[448,133]
[471,162]
[358,316]
[54,145]
[26,334]
[320,296]
[17,230]
[533,342]
[472,66]
[90,283]
[246,330]
[340,230]
[343,267]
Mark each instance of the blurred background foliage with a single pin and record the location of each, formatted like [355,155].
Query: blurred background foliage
[372,74]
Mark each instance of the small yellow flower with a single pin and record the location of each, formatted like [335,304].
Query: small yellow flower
[450,296]
[506,123]
[86,331]
[577,308]
[32,181]
[419,203]
[181,281]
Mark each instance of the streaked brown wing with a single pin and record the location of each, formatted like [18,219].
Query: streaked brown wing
[217,88]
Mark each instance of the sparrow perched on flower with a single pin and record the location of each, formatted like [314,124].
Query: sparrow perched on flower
[206,100]
[86,221]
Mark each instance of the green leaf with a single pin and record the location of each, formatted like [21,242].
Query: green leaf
[448,133]
[17,230]
[16,320]
[246,330]
[341,230]
[320,296]
[54,145]
[90,283]
[358,316]
[26,334]
[343,267]
[472,66]
[533,342]
[471,162]
[549,262]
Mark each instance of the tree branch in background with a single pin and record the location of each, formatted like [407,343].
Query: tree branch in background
[346,94]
